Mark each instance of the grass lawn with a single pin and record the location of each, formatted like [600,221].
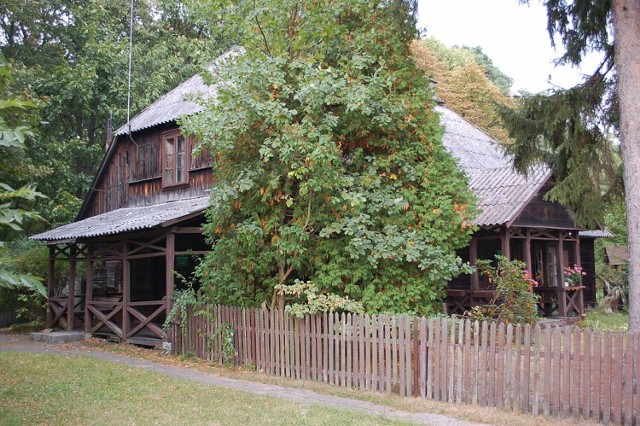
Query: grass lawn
[74,390]
[472,413]
[598,319]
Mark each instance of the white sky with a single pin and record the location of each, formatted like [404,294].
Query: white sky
[514,36]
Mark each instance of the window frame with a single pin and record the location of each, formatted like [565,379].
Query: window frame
[175,134]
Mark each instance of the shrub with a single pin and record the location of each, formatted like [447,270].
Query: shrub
[514,302]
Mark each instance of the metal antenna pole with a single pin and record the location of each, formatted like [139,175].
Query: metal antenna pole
[130,54]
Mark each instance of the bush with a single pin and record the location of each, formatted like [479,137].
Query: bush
[515,302]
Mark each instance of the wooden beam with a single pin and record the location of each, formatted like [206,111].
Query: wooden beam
[126,291]
[88,292]
[562,301]
[189,230]
[505,243]
[71,294]
[51,276]
[577,252]
[473,257]
[169,267]
[527,251]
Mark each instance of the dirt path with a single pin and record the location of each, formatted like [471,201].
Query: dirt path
[22,343]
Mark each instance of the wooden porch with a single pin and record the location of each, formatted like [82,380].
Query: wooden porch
[545,252]
[127,285]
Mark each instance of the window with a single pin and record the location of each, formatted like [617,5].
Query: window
[146,164]
[174,160]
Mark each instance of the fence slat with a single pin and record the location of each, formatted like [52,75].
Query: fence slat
[483,365]
[565,388]
[388,353]
[467,362]
[477,366]
[606,381]
[436,361]
[518,367]
[586,365]
[430,358]
[509,372]
[408,345]
[616,382]
[576,364]
[381,344]
[628,381]
[422,357]
[460,362]
[325,348]
[451,353]
[499,366]
[548,374]
[636,379]
[596,400]
[375,373]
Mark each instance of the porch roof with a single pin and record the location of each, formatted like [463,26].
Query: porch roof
[126,219]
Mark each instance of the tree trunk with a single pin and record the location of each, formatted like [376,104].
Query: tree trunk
[626,22]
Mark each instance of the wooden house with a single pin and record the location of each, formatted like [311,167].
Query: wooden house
[141,221]
[516,221]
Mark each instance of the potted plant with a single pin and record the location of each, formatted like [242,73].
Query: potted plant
[573,275]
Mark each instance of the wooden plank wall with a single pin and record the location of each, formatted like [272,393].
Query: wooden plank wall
[563,371]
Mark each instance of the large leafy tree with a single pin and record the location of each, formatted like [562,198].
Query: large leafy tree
[328,159]
[571,129]
[468,82]
[12,137]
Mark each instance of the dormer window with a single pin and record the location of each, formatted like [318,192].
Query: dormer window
[175,170]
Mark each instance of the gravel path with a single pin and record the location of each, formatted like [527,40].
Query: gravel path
[22,343]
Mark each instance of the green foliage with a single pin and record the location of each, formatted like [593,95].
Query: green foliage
[228,350]
[328,160]
[458,57]
[571,137]
[515,302]
[71,57]
[12,217]
[308,301]
[600,320]
[572,129]
[465,84]
[497,77]
[184,299]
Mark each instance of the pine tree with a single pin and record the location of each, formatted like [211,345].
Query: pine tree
[569,128]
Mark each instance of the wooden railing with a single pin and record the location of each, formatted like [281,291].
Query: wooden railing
[554,371]
[109,316]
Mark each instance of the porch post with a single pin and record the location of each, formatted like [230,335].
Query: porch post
[473,258]
[88,292]
[71,285]
[562,301]
[169,267]
[126,290]
[577,249]
[170,258]
[527,251]
[505,245]
[51,272]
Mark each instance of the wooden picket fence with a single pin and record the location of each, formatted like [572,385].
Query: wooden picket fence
[561,371]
